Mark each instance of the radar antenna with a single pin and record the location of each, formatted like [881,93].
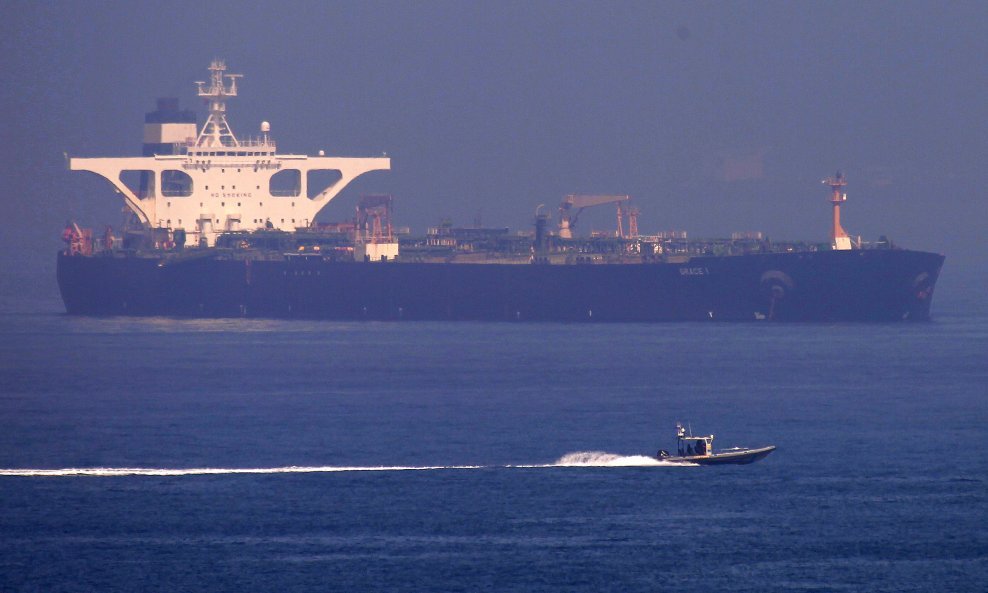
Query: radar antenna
[216,132]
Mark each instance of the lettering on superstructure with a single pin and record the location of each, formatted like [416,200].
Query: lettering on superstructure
[232,195]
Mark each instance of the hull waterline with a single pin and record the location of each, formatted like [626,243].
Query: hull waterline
[867,285]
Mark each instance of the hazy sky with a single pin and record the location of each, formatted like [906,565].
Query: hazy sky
[715,116]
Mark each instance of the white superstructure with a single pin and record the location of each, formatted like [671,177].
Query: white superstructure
[216,182]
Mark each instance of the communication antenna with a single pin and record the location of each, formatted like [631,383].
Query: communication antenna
[216,132]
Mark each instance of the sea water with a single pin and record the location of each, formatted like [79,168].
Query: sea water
[253,455]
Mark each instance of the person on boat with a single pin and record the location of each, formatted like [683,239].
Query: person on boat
[689,450]
[701,448]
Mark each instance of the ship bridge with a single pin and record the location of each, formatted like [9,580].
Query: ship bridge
[213,182]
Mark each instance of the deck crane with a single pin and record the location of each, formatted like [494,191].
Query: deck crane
[632,213]
[573,204]
[375,208]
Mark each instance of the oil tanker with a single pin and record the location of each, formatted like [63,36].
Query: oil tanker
[225,226]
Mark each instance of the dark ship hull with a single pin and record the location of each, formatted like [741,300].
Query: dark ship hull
[853,285]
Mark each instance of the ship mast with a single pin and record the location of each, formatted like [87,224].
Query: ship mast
[216,132]
[838,237]
[225,183]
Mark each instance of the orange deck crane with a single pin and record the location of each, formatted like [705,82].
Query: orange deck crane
[376,208]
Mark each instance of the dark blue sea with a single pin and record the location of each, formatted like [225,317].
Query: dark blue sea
[257,456]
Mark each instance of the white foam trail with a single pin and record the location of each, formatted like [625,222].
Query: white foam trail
[150,471]
[602,459]
[577,459]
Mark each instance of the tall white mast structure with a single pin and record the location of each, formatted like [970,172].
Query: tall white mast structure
[216,132]
[215,183]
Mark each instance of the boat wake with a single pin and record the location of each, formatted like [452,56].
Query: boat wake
[577,459]
[201,471]
[602,459]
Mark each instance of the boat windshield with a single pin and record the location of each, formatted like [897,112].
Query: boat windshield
[690,446]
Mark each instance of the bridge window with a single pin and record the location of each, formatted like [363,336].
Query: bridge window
[286,183]
[319,180]
[176,184]
[140,182]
